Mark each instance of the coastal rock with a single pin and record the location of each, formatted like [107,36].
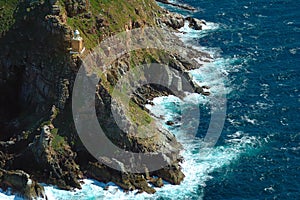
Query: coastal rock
[55,10]
[126,181]
[206,93]
[179,5]
[195,23]
[174,20]
[170,123]
[2,159]
[75,7]
[157,182]
[205,87]
[101,22]
[172,174]
[22,183]
[56,163]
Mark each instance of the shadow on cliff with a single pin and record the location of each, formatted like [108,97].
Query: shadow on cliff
[27,50]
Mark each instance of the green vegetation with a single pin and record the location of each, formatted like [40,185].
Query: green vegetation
[137,58]
[7,10]
[109,11]
[58,141]
[138,115]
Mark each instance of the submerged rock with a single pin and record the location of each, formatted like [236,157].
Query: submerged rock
[206,93]
[170,123]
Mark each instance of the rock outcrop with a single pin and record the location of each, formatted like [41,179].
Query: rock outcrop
[22,183]
[76,7]
[174,20]
[177,21]
[60,166]
[195,23]
[124,180]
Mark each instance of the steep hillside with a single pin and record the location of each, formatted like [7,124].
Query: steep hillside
[37,73]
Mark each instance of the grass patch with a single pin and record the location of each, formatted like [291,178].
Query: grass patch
[7,11]
[138,115]
[132,11]
[58,141]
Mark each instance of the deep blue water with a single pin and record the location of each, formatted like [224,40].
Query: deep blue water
[264,38]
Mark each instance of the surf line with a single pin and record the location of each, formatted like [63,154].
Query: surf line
[183,6]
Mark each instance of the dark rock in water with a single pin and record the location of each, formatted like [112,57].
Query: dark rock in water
[206,93]
[196,87]
[22,183]
[195,23]
[183,6]
[170,123]
[205,87]
[172,174]
[161,117]
[157,182]
[163,1]
[176,21]
[199,90]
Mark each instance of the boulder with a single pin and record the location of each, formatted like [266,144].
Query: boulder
[170,123]
[21,182]
[195,23]
[176,21]
[157,182]
[172,174]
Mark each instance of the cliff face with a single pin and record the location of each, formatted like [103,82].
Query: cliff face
[37,73]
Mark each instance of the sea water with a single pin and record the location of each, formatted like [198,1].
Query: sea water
[255,46]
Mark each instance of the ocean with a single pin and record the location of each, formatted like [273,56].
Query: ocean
[256,56]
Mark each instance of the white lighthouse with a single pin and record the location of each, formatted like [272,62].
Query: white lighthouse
[77,43]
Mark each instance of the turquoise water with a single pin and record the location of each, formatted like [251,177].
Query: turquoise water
[256,50]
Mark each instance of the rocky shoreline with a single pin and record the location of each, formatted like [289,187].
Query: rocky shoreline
[182,6]
[39,142]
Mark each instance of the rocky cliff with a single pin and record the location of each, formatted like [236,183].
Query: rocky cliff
[38,140]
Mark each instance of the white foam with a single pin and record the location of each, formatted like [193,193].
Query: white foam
[7,195]
[215,75]
[92,189]
[247,119]
[198,166]
[187,34]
